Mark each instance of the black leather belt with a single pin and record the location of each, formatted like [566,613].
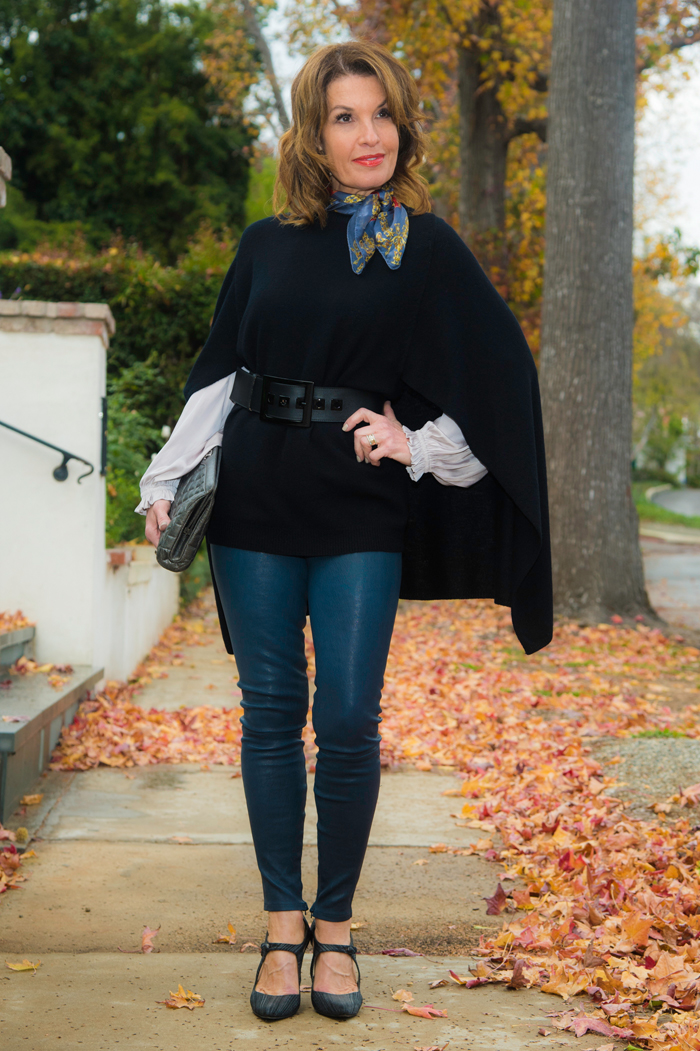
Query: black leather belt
[299,403]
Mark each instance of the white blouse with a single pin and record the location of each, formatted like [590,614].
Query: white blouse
[438,448]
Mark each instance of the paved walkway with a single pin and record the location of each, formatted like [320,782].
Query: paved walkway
[170,847]
[672,571]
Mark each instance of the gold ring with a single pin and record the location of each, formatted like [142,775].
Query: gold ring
[371,439]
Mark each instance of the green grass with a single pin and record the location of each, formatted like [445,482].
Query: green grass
[649,512]
[658,733]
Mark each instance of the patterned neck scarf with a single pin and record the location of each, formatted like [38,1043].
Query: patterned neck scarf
[377,221]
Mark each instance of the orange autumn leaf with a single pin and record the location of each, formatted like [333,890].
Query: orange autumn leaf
[427,1011]
[147,939]
[403,995]
[32,800]
[181,998]
[637,928]
[228,939]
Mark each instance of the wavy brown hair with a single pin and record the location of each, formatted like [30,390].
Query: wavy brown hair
[303,176]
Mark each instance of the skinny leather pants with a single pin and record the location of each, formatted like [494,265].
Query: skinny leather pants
[352,601]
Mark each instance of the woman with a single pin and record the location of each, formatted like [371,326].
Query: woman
[373,311]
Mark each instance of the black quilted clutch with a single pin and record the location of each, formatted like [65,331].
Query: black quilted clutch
[190,512]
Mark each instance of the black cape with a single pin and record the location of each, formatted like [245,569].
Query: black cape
[466,357]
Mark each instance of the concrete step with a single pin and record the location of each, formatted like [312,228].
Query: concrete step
[16,644]
[32,715]
[106,1001]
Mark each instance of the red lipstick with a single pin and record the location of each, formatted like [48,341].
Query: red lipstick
[370,160]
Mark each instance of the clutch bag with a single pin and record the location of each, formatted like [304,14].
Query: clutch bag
[190,512]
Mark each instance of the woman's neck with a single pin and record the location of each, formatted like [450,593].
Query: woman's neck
[335,186]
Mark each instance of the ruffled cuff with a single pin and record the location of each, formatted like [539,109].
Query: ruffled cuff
[420,454]
[151,493]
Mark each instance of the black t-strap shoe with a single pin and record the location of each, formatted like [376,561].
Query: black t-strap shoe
[273,1008]
[335,1005]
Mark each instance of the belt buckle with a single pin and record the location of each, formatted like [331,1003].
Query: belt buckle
[308,386]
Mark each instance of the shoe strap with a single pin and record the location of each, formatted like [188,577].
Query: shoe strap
[319,947]
[268,946]
[350,950]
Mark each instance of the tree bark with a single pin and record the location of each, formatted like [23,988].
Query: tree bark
[483,152]
[586,356]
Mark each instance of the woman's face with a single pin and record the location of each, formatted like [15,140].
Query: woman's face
[360,139]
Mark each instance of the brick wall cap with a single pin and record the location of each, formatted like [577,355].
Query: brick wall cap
[38,308]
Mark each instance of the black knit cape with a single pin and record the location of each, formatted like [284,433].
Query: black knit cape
[466,357]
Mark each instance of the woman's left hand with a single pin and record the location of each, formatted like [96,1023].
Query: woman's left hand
[387,432]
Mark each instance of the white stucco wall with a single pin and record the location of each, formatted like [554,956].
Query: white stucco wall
[141,599]
[53,563]
[52,533]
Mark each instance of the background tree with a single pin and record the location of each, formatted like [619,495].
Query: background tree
[239,64]
[586,356]
[111,121]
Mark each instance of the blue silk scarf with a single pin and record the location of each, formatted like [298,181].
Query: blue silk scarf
[378,222]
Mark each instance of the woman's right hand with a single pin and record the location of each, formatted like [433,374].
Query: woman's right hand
[157,518]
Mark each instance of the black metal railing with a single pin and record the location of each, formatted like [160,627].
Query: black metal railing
[60,473]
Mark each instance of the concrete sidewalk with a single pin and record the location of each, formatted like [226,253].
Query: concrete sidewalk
[170,847]
[108,1001]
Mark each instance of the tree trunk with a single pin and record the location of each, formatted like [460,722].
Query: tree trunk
[266,57]
[483,152]
[586,356]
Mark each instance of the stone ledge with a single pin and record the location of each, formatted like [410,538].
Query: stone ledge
[65,319]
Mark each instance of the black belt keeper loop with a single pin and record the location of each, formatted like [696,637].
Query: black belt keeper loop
[299,403]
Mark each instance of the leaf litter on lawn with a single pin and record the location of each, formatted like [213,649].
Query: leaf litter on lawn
[602,904]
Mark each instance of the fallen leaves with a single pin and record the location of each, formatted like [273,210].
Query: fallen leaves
[603,904]
[497,902]
[14,621]
[32,800]
[10,862]
[403,995]
[580,1024]
[400,952]
[427,1011]
[226,939]
[25,965]
[181,998]
[147,939]
[147,945]
[113,730]
[57,674]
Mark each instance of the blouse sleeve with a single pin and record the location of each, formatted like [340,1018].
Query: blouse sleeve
[199,429]
[439,448]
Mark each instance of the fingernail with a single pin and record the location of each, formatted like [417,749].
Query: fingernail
[345,426]
[359,459]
